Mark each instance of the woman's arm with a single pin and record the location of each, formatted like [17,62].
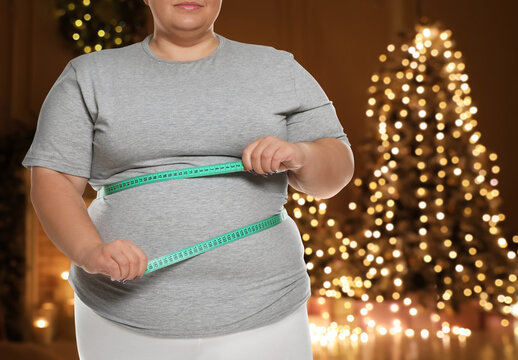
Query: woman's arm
[58,202]
[327,168]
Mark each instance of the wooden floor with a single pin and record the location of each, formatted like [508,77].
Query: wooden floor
[479,346]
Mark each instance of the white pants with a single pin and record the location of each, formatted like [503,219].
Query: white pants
[99,339]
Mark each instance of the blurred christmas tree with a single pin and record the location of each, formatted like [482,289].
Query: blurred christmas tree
[321,236]
[102,24]
[426,219]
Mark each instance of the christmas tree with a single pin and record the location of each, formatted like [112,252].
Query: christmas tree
[320,234]
[426,219]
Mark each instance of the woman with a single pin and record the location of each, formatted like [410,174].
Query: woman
[185,97]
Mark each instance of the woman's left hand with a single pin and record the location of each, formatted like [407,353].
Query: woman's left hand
[269,154]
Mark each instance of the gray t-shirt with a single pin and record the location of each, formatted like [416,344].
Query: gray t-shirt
[119,113]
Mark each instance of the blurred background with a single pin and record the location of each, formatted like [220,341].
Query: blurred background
[414,259]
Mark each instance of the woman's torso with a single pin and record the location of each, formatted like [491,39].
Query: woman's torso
[154,116]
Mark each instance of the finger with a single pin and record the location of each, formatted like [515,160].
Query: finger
[123,262]
[269,152]
[266,155]
[282,167]
[246,156]
[141,261]
[270,146]
[134,262]
[277,158]
[113,269]
[257,156]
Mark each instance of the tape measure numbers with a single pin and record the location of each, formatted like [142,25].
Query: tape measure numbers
[206,245]
[196,171]
[215,242]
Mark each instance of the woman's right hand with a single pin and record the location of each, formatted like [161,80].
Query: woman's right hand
[119,259]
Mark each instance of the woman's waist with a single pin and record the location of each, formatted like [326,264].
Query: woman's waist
[247,264]
[162,237]
[270,259]
[110,175]
[213,189]
[191,202]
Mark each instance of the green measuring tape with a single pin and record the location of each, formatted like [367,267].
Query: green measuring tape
[201,247]
[215,242]
[196,171]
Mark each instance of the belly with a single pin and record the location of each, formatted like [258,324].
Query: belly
[241,278]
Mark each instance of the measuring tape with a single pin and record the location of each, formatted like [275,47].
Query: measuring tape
[215,242]
[196,171]
[201,247]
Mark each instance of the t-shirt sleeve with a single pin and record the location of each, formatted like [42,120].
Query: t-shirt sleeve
[64,131]
[316,116]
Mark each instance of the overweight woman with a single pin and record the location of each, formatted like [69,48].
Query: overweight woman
[190,139]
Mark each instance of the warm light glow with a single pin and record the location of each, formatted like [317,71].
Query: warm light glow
[41,323]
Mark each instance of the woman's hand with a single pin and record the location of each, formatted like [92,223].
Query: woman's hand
[270,155]
[119,259]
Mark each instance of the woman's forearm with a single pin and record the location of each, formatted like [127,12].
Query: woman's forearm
[327,169]
[63,215]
